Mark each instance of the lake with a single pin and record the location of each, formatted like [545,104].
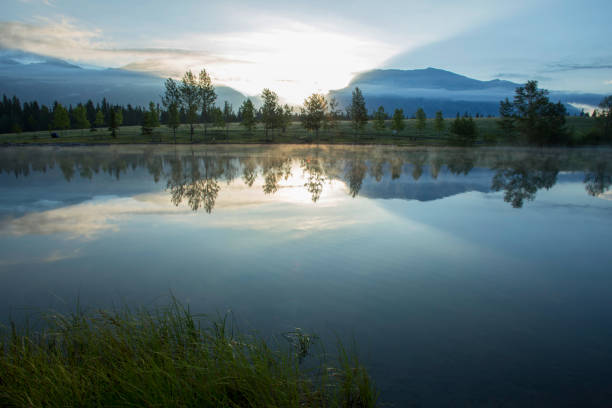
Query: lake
[467,277]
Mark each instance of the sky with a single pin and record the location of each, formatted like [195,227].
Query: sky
[300,47]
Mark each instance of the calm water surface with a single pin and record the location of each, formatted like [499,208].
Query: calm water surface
[468,278]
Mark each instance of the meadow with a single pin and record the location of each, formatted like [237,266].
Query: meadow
[488,133]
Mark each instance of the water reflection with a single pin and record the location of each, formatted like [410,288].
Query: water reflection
[195,180]
[195,175]
[598,178]
[472,273]
[521,179]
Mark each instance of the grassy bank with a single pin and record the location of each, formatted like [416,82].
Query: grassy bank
[165,358]
[488,133]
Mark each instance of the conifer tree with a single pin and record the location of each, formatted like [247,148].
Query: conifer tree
[379,119]
[359,114]
[439,123]
[397,122]
[247,111]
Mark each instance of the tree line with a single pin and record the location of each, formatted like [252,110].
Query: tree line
[529,118]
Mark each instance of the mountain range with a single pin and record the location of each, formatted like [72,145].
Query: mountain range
[436,89]
[46,79]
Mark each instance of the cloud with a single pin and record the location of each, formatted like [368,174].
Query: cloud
[53,38]
[237,207]
[583,106]
[294,58]
[53,256]
[521,77]
[65,39]
[577,67]
[50,3]
[608,82]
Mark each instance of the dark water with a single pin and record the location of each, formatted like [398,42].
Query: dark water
[469,278]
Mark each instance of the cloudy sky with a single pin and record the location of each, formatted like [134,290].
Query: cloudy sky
[298,47]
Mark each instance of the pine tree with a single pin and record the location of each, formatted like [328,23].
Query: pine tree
[173,118]
[115,119]
[379,119]
[228,113]
[439,123]
[359,114]
[397,122]
[506,118]
[421,120]
[150,120]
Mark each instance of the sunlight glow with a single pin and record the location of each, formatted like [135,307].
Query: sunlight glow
[294,61]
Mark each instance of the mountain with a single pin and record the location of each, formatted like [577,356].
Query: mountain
[436,89]
[44,79]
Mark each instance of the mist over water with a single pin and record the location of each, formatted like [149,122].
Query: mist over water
[467,277]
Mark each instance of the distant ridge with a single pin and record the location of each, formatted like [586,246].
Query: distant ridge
[44,79]
[436,89]
[430,78]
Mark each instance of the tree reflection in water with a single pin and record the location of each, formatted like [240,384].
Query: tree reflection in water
[598,178]
[521,180]
[200,190]
[193,175]
[314,178]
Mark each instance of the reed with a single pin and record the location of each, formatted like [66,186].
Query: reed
[168,357]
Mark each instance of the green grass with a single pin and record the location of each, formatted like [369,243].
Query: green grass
[488,131]
[168,357]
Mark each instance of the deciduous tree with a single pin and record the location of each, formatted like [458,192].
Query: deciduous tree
[208,96]
[269,110]
[80,118]
[247,112]
[332,114]
[61,119]
[313,112]
[99,122]
[191,99]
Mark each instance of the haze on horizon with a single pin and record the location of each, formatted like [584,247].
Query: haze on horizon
[302,47]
